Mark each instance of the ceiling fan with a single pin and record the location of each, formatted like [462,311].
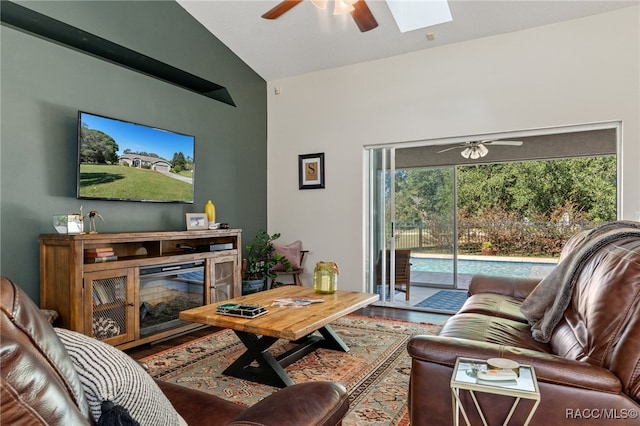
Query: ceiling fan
[357,8]
[478,149]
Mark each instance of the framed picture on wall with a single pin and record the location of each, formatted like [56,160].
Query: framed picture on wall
[311,171]
[197,221]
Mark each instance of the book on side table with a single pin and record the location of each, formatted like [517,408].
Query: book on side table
[475,375]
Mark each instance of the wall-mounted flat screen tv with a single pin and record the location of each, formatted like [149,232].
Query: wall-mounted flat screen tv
[125,161]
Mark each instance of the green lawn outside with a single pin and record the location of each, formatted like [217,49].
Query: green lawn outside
[121,182]
[186,173]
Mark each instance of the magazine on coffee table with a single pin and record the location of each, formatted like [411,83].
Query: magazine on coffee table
[294,303]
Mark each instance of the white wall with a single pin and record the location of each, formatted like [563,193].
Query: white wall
[580,71]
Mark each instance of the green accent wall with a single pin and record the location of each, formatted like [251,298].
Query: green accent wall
[44,84]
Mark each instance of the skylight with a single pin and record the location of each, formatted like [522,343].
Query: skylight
[413,14]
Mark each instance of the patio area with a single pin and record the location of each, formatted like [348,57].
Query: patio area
[428,278]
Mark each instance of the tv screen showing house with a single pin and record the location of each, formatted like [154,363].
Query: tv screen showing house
[121,160]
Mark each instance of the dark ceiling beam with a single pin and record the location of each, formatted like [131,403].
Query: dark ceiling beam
[51,29]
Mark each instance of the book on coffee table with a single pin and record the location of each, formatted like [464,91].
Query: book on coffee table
[241,310]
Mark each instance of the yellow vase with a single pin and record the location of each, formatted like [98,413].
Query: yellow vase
[210,210]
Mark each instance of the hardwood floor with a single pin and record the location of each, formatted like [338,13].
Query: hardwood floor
[402,314]
[371,311]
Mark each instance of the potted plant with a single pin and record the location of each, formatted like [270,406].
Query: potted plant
[260,259]
[487,249]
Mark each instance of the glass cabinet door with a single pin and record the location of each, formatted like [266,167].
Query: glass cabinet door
[221,278]
[111,296]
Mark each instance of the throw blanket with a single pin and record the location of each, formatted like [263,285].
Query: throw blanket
[546,304]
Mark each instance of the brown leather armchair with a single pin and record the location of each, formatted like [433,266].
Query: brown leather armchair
[39,384]
[588,371]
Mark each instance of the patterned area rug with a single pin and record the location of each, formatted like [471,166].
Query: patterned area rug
[444,300]
[375,371]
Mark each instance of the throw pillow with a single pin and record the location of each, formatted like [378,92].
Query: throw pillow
[108,374]
[291,252]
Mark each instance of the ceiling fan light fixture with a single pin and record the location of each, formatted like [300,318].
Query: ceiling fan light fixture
[320,4]
[360,12]
[474,151]
[477,149]
[341,7]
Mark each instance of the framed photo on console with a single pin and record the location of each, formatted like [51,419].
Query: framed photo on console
[196,221]
[311,171]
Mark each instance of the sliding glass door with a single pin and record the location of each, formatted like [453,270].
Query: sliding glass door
[425,223]
[381,222]
[409,209]
[520,198]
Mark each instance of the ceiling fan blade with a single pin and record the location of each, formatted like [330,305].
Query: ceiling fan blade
[449,149]
[512,143]
[280,9]
[363,17]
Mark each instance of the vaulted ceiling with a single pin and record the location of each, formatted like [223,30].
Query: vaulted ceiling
[306,39]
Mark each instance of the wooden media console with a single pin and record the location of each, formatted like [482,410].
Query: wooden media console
[128,289]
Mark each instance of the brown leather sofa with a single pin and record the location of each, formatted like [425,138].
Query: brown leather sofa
[40,386]
[588,371]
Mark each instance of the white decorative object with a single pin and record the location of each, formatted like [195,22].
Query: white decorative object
[68,223]
[75,224]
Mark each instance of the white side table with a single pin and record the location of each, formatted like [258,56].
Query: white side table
[525,388]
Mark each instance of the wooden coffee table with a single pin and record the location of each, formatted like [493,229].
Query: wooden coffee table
[296,324]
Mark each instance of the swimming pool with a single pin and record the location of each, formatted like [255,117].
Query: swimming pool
[479,266]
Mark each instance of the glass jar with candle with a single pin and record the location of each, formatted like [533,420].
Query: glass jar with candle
[325,277]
